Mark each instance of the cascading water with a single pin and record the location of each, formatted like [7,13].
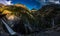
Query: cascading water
[52,22]
[28,26]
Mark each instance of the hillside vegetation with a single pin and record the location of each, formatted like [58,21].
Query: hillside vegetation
[47,17]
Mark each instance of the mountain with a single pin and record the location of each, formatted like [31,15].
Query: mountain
[17,14]
[50,14]
[1,4]
[51,7]
[21,19]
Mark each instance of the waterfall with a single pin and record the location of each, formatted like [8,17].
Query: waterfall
[52,22]
[27,25]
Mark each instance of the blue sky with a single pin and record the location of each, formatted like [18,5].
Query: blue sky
[28,3]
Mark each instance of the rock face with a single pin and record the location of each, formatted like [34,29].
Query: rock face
[13,16]
[50,14]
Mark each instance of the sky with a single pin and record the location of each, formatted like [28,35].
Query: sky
[37,4]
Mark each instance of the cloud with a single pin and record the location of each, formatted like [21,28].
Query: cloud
[5,2]
[44,1]
[55,1]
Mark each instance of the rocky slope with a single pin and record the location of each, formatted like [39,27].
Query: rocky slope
[21,19]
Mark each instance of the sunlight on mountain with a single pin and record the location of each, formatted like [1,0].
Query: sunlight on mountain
[6,12]
[11,17]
